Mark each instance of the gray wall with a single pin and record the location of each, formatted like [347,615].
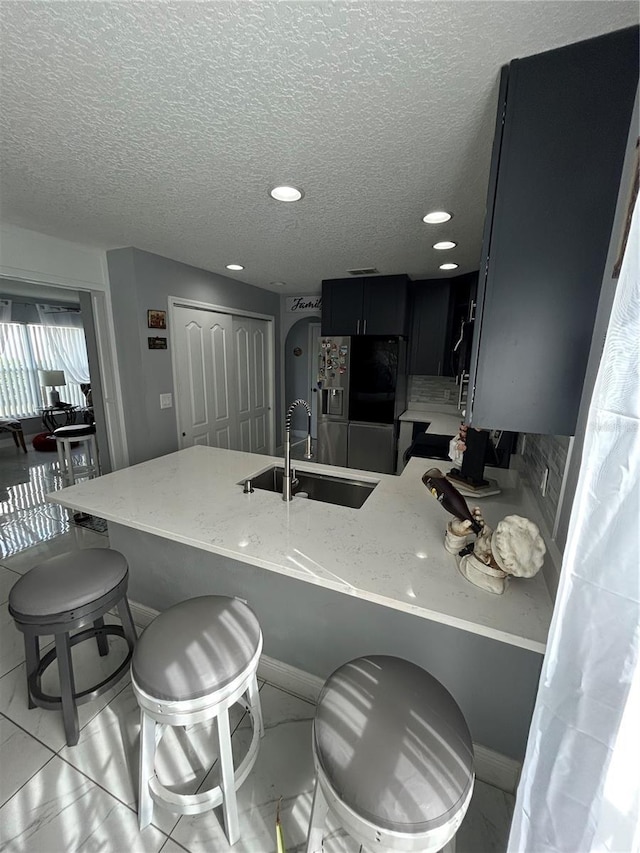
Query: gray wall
[140,281]
[317,630]
[297,371]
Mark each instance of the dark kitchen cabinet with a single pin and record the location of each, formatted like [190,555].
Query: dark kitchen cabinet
[561,135]
[439,306]
[365,306]
[429,320]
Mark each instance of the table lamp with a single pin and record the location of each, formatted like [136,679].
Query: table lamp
[52,379]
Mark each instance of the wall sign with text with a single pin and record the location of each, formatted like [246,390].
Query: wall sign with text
[304,304]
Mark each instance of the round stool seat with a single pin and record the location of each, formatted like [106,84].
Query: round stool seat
[195,648]
[67,582]
[74,431]
[393,744]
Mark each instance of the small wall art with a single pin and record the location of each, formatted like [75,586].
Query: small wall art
[157,343]
[157,319]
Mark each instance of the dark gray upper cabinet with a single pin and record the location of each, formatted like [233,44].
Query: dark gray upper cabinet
[555,176]
[429,321]
[439,306]
[365,306]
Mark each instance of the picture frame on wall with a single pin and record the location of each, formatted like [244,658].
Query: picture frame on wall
[156,319]
[157,343]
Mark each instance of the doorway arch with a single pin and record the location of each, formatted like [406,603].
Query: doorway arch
[299,380]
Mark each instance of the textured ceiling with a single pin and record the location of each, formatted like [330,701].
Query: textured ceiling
[163,125]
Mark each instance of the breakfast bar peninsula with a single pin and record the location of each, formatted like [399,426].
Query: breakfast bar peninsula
[331,582]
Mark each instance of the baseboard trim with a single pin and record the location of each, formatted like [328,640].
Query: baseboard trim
[491,767]
[496,769]
[289,678]
[142,615]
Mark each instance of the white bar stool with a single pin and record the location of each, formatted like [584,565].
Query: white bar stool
[393,758]
[66,436]
[191,664]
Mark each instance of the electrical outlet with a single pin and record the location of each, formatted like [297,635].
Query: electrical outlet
[543,482]
[166,401]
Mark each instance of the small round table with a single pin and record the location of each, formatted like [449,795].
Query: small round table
[57,416]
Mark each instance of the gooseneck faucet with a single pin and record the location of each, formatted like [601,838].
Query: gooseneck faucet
[287,480]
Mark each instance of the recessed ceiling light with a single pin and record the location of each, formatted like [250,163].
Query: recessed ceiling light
[448,266]
[445,244]
[235,267]
[436,217]
[286,193]
[277,283]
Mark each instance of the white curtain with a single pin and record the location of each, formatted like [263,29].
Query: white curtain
[580,786]
[68,349]
[5,317]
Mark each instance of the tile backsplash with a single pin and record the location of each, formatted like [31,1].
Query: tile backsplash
[432,389]
[538,452]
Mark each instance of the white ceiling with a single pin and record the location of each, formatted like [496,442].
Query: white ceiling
[163,125]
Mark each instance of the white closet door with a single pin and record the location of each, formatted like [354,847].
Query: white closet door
[205,387]
[252,364]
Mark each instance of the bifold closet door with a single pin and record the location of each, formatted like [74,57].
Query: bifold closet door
[205,390]
[251,359]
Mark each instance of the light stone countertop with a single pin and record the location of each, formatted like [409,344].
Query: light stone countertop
[440,423]
[389,552]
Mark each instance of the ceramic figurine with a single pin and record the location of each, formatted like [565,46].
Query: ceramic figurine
[459,532]
[515,548]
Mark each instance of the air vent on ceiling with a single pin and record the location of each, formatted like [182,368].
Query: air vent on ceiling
[365,271]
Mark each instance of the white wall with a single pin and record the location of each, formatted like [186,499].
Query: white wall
[37,257]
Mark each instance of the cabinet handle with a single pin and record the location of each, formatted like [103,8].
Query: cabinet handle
[358,328]
[364,331]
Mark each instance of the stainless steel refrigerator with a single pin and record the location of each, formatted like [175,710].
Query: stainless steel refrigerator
[362,385]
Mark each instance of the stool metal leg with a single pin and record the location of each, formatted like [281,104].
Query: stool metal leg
[319,810]
[101,640]
[227,779]
[254,701]
[124,612]
[93,450]
[71,477]
[147,762]
[67,689]
[60,447]
[32,659]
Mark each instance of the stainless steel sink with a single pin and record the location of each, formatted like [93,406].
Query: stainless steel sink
[318,487]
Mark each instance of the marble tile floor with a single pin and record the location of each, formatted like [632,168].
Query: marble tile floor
[26,517]
[59,799]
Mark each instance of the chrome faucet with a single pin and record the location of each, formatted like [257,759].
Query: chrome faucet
[288,478]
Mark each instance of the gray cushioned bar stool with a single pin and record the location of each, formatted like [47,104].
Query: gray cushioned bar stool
[59,596]
[191,664]
[66,437]
[393,758]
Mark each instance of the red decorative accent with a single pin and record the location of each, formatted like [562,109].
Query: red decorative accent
[44,442]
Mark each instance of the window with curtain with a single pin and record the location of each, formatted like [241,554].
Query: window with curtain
[28,348]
